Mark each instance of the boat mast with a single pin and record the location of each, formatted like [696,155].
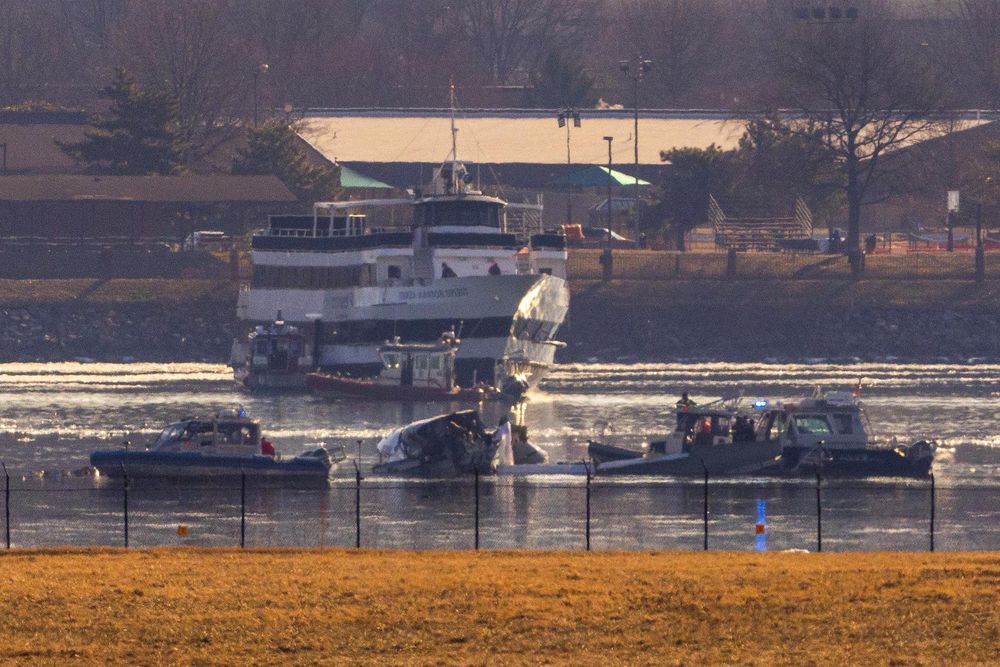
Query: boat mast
[454,130]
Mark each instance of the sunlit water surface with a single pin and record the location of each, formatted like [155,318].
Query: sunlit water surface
[54,415]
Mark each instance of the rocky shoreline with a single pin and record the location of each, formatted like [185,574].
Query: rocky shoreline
[620,324]
[190,331]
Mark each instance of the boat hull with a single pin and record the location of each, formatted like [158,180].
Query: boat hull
[868,462]
[118,463]
[335,386]
[744,457]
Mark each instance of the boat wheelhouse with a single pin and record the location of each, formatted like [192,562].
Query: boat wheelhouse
[277,358]
[410,371]
[832,434]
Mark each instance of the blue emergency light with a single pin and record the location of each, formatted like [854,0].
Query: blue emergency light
[760,404]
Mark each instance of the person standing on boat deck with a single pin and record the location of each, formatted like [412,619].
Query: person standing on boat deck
[266,447]
[494,269]
[683,406]
[447,271]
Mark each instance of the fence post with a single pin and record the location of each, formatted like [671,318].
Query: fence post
[243,509]
[705,516]
[587,525]
[932,511]
[125,500]
[477,506]
[819,514]
[357,506]
[6,502]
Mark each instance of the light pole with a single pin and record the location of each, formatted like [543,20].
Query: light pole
[606,255]
[564,117]
[263,68]
[636,70]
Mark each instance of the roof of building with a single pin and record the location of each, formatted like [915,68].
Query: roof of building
[33,148]
[595,176]
[349,178]
[498,137]
[525,136]
[191,189]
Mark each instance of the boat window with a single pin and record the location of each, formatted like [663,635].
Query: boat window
[772,426]
[436,362]
[844,423]
[235,434]
[395,272]
[812,424]
[421,362]
[170,434]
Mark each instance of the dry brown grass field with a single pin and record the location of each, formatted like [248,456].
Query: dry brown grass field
[172,606]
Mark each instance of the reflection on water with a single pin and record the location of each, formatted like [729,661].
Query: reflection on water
[53,415]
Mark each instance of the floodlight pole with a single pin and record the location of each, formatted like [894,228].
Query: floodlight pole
[261,69]
[606,258]
[569,117]
[636,71]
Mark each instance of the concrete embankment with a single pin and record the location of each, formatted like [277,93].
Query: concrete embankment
[181,320]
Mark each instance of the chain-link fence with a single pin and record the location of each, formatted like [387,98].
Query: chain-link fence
[487,512]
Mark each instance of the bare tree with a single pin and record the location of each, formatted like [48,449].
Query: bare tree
[192,50]
[682,39]
[310,46]
[513,35]
[29,47]
[974,48]
[852,79]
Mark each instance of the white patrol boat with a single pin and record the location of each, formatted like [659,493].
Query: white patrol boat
[227,444]
[831,434]
[460,263]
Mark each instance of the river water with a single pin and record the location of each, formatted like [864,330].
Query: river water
[53,415]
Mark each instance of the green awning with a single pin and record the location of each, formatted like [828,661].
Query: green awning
[593,176]
[354,179]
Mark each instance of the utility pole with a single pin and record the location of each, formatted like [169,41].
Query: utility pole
[606,259]
[564,118]
[636,71]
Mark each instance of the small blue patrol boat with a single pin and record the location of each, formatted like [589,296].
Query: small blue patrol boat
[228,444]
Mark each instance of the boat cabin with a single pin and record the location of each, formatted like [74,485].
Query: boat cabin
[836,420]
[229,431]
[703,427]
[419,364]
[278,349]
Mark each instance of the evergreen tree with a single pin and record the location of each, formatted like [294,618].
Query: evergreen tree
[274,149]
[778,161]
[695,174]
[138,135]
[560,83]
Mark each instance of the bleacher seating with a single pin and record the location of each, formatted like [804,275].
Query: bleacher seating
[759,233]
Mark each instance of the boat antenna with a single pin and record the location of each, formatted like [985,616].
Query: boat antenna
[454,130]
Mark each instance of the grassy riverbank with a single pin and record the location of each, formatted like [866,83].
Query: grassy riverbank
[223,606]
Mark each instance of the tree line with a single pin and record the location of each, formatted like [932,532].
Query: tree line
[344,53]
[854,79]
